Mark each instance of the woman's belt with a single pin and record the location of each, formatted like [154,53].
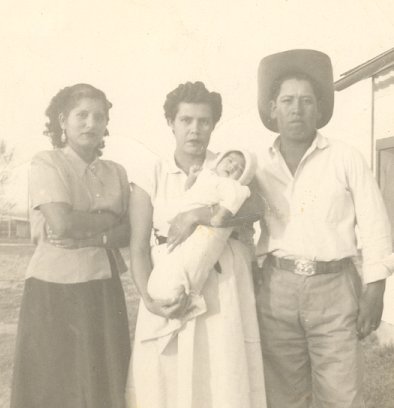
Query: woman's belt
[307,267]
[160,240]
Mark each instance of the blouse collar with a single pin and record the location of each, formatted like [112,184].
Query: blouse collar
[172,167]
[79,165]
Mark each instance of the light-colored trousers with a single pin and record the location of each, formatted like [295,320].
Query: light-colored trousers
[311,352]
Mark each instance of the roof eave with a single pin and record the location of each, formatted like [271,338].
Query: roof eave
[366,70]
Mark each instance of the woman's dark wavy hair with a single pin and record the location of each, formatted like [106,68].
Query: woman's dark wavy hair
[63,102]
[192,92]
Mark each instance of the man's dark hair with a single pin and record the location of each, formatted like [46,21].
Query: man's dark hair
[275,89]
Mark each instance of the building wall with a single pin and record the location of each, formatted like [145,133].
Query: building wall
[14,228]
[384,105]
[351,121]
[364,114]
[383,128]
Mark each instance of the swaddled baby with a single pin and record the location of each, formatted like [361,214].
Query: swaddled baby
[223,187]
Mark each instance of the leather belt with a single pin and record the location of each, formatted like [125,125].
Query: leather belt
[306,267]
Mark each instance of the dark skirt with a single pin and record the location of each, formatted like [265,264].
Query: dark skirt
[73,345]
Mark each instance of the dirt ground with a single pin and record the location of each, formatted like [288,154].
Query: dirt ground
[379,380]
[13,262]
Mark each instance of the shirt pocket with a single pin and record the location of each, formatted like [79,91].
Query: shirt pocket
[332,204]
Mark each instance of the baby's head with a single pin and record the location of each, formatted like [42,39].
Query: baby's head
[237,164]
[231,165]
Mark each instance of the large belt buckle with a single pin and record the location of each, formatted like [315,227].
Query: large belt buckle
[305,267]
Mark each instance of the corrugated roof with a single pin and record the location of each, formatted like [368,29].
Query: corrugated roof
[365,70]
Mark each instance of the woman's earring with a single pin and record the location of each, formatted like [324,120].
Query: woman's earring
[63,136]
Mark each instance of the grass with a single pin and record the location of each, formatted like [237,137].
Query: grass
[379,378]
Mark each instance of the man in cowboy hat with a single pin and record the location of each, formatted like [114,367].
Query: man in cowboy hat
[312,308]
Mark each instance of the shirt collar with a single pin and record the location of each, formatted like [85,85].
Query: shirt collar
[172,167]
[78,164]
[319,142]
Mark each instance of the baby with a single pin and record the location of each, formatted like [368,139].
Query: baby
[217,186]
[187,267]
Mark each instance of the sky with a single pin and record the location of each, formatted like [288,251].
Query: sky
[139,50]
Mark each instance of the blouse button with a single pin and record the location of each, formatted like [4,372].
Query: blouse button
[97,195]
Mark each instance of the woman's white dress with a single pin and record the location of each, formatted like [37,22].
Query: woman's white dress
[215,361]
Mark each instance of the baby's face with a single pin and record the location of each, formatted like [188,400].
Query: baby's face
[232,166]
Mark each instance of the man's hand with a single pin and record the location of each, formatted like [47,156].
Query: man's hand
[182,226]
[371,308]
[170,308]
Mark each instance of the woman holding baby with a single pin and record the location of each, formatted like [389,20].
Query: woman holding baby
[214,360]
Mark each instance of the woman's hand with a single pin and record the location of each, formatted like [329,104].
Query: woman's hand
[66,243]
[60,242]
[182,226]
[171,308]
[194,171]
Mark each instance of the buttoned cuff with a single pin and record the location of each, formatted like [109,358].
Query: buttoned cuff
[378,271]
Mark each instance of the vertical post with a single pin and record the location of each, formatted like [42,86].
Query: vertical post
[373,152]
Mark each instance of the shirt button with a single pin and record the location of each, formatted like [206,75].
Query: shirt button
[98,195]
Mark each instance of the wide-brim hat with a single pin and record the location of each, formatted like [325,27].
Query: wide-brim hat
[314,64]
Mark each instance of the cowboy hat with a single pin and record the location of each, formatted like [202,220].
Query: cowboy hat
[314,64]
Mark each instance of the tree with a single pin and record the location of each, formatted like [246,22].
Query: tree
[6,157]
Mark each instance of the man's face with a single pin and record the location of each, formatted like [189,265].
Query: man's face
[296,110]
